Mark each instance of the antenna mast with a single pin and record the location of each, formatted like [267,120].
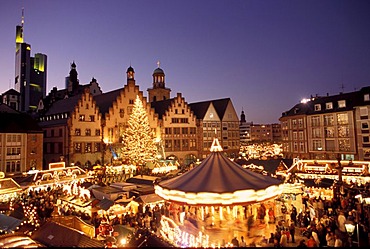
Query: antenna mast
[22,16]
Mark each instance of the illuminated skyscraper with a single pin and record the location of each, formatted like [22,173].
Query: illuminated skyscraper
[30,72]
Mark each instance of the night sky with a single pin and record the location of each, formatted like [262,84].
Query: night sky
[266,55]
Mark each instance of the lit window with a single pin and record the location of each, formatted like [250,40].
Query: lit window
[367,97]
[329,105]
[317,107]
[341,103]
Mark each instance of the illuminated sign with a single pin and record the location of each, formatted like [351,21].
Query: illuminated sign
[58,165]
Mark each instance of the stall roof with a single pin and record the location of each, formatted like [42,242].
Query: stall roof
[18,241]
[53,234]
[107,191]
[105,204]
[150,198]
[8,223]
[143,180]
[8,185]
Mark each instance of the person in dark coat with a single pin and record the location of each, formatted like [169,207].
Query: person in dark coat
[235,242]
[292,231]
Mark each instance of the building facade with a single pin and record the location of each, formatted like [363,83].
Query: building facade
[21,142]
[261,133]
[179,129]
[328,127]
[245,130]
[116,107]
[217,118]
[86,129]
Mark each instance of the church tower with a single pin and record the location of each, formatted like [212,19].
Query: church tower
[72,82]
[159,91]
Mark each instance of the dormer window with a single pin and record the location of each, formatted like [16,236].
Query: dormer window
[366,97]
[329,105]
[317,107]
[341,103]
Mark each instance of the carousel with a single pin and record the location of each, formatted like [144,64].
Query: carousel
[216,201]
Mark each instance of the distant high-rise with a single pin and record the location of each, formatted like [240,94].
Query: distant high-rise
[30,72]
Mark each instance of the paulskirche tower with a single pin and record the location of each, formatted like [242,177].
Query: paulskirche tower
[159,91]
[30,72]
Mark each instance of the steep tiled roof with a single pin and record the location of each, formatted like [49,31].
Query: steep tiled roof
[18,123]
[104,101]
[220,106]
[160,107]
[64,105]
[352,99]
[6,108]
[200,108]
[11,92]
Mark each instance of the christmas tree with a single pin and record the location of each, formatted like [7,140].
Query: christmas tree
[138,141]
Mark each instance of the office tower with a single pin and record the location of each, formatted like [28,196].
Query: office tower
[30,72]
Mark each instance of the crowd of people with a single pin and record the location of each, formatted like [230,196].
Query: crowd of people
[320,223]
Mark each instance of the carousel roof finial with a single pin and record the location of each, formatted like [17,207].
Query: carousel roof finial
[216,145]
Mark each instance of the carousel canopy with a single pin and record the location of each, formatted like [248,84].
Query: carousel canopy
[218,180]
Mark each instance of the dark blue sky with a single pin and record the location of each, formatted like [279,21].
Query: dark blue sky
[266,55]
